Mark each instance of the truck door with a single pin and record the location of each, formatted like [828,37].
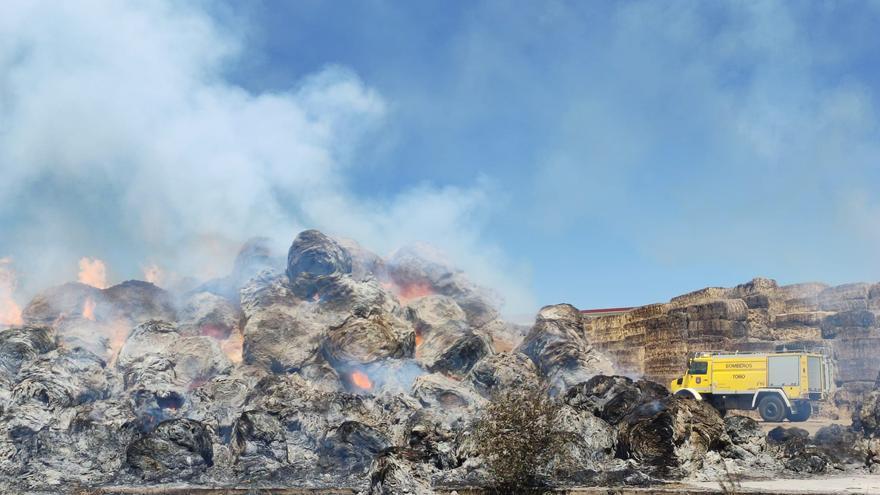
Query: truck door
[815,382]
[783,371]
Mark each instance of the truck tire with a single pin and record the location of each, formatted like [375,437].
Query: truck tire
[804,410]
[772,409]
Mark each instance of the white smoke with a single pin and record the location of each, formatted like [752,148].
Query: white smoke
[120,138]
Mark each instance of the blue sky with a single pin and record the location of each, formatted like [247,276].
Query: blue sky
[598,153]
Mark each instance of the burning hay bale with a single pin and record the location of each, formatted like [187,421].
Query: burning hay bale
[341,368]
[366,338]
[208,314]
[64,301]
[432,311]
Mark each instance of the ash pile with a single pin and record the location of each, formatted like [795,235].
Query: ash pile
[338,368]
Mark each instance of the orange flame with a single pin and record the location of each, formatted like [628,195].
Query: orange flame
[117,335]
[10,312]
[153,274]
[233,347]
[93,271]
[416,290]
[89,309]
[419,339]
[361,380]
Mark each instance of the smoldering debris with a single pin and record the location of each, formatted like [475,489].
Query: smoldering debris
[340,368]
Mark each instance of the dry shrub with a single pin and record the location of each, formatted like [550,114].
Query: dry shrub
[518,436]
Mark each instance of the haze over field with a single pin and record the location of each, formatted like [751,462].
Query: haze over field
[605,155]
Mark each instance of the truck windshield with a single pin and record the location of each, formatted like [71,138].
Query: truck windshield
[698,368]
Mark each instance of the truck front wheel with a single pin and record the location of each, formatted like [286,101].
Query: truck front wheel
[772,409]
[804,409]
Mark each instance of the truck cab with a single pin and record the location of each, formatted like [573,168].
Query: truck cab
[779,385]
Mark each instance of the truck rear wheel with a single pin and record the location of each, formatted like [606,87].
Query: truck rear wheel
[772,409]
[804,409]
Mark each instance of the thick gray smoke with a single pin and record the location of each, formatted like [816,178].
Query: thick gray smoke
[120,139]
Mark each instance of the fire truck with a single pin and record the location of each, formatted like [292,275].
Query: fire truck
[779,385]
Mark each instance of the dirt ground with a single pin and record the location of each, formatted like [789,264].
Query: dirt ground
[811,425]
[831,485]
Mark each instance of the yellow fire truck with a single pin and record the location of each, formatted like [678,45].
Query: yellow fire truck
[779,385]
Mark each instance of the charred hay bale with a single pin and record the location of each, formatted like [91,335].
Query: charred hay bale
[874,297]
[743,430]
[67,300]
[440,391]
[351,447]
[255,255]
[719,309]
[613,397]
[139,302]
[221,400]
[258,444]
[80,448]
[365,264]
[424,267]
[394,471]
[841,445]
[432,311]
[866,416]
[452,347]
[847,396]
[63,378]
[437,438]
[308,413]
[21,344]
[177,449]
[281,332]
[845,297]
[797,452]
[345,295]
[799,319]
[850,324]
[318,372]
[557,346]
[157,346]
[315,260]
[748,446]
[856,358]
[588,443]
[368,337]
[96,435]
[204,313]
[502,371]
[670,434]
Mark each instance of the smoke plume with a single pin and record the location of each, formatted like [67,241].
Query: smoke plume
[123,139]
